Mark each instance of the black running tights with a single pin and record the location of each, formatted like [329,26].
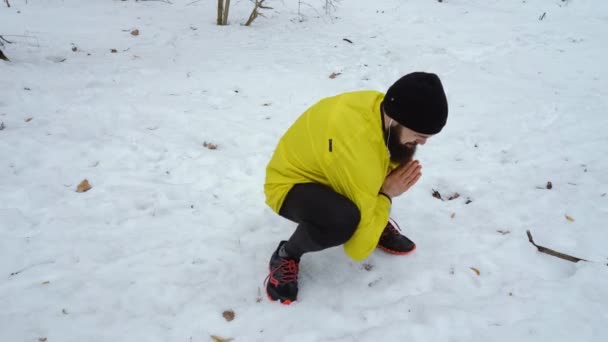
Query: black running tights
[325,218]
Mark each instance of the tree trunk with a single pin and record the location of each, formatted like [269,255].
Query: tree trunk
[226,9]
[220,11]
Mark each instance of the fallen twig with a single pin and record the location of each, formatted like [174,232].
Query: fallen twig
[552,252]
[7,4]
[4,39]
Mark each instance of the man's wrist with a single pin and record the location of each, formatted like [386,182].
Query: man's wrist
[386,195]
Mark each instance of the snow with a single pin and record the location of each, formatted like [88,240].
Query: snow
[173,233]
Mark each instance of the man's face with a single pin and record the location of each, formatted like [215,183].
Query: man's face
[402,143]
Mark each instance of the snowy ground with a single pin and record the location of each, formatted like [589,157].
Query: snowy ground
[173,233]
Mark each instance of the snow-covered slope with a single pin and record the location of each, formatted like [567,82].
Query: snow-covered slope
[173,233]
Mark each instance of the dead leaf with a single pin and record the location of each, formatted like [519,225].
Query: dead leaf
[220,339]
[28,119]
[42,339]
[2,126]
[436,194]
[476,271]
[569,218]
[135,32]
[334,75]
[454,196]
[504,232]
[113,51]
[453,215]
[468,201]
[84,186]
[74,48]
[368,267]
[210,145]
[64,311]
[46,282]
[228,315]
[266,104]
[549,185]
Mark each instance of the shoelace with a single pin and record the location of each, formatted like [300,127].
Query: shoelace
[393,228]
[289,271]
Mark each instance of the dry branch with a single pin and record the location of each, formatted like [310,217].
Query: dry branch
[259,4]
[552,252]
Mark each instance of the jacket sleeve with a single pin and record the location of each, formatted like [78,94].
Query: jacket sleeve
[360,181]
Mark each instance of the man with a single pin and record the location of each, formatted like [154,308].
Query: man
[337,168]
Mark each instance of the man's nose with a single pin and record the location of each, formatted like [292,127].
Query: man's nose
[421,141]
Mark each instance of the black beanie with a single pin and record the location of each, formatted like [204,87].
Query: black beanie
[417,101]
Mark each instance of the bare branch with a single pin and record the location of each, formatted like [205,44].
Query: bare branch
[255,12]
[7,4]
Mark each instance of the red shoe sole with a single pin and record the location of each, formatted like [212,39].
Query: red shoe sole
[390,251]
[286,302]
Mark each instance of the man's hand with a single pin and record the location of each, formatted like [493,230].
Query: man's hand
[402,178]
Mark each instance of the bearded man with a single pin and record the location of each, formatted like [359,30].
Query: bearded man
[337,169]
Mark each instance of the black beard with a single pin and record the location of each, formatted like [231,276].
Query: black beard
[400,153]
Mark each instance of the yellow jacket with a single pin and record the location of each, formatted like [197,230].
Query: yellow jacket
[355,165]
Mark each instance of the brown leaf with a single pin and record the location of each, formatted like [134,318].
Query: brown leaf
[454,196]
[549,185]
[84,186]
[569,218]
[228,315]
[334,75]
[113,51]
[476,271]
[210,145]
[28,119]
[504,232]
[135,32]
[436,194]
[220,339]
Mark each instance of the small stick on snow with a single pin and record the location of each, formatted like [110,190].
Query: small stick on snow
[7,4]
[552,252]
